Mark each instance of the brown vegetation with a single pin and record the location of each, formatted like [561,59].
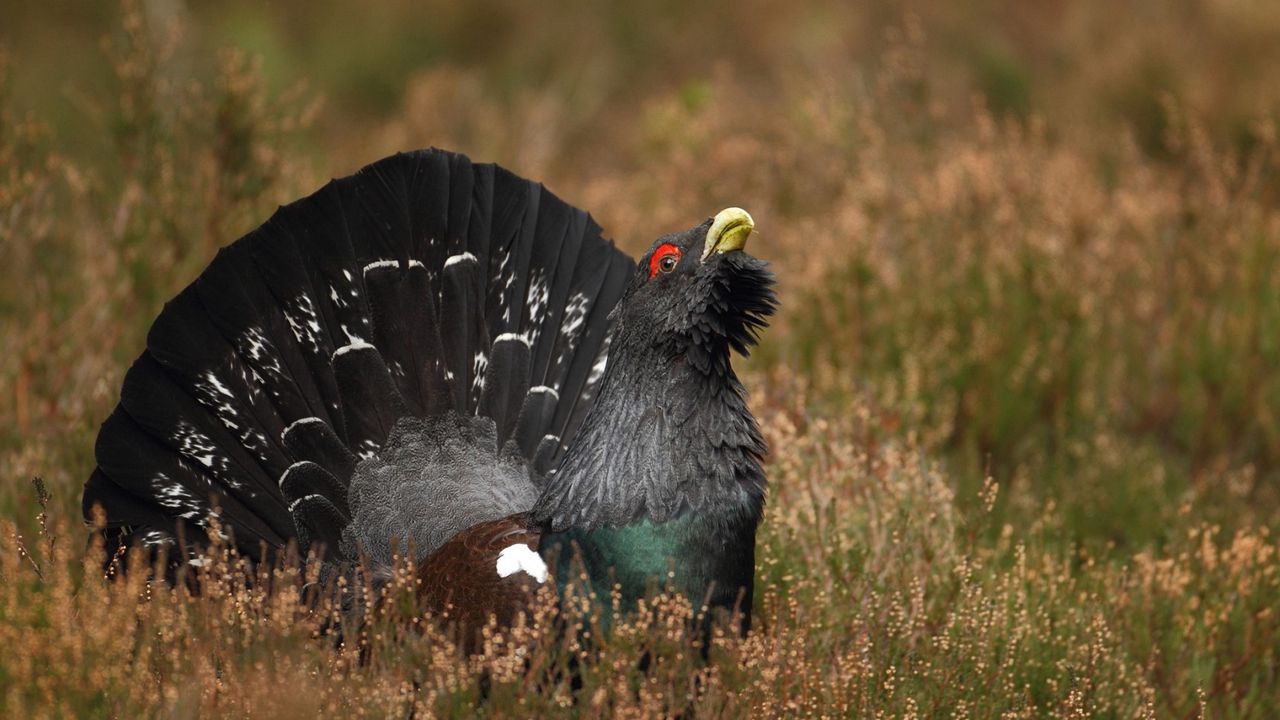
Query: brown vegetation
[1022,397]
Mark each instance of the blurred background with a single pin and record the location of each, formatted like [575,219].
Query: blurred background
[1035,241]
[1041,237]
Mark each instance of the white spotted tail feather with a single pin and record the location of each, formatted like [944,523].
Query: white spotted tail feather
[423,285]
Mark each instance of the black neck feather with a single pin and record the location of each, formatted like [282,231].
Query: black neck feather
[663,439]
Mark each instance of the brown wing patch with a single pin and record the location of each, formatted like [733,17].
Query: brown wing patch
[461,579]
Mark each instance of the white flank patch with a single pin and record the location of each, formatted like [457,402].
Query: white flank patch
[461,257]
[519,558]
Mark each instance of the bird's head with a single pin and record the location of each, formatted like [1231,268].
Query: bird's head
[670,432]
[696,294]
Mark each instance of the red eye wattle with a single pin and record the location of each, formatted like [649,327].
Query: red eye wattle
[664,259]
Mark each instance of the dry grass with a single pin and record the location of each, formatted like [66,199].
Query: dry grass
[1022,397]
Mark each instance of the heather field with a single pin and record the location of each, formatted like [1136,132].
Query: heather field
[1022,397]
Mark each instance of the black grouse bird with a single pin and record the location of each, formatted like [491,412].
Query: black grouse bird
[415,357]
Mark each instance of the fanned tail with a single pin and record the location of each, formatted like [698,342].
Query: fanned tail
[422,286]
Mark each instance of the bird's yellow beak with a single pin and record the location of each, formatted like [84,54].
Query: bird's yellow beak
[729,231]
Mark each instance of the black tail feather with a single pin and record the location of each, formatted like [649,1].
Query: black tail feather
[194,452]
[370,402]
[144,469]
[544,456]
[555,295]
[506,381]
[311,438]
[307,478]
[479,238]
[380,296]
[231,290]
[581,357]
[463,197]
[319,523]
[460,322]
[536,415]
[403,325]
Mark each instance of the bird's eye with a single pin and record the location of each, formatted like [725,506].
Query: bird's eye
[664,259]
